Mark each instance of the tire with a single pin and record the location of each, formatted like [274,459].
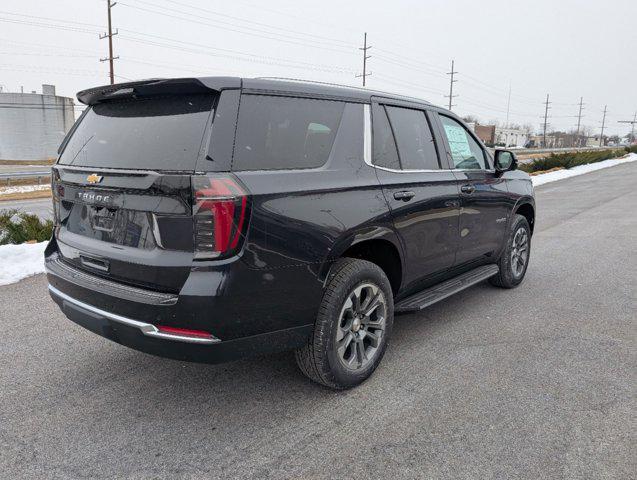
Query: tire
[511,275]
[362,341]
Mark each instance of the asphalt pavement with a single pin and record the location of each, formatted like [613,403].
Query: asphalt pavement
[41,207]
[537,382]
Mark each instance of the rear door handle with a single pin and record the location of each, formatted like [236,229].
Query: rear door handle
[404,195]
[467,189]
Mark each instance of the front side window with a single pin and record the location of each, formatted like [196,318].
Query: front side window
[466,153]
[415,141]
[277,133]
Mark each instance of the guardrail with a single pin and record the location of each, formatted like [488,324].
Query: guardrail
[11,176]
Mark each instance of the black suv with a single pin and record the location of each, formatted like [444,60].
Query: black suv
[207,219]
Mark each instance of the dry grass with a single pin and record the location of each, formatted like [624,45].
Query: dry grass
[49,161]
[25,195]
[554,169]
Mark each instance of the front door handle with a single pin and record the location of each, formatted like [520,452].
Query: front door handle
[404,195]
[468,189]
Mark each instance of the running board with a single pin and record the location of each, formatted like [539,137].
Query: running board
[434,294]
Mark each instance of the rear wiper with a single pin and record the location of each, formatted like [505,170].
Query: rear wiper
[82,148]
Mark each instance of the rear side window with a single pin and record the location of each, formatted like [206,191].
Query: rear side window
[415,141]
[385,153]
[154,133]
[277,133]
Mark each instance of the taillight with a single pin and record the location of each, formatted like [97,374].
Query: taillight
[220,205]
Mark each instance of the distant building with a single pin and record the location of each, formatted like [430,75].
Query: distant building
[32,125]
[511,137]
[486,133]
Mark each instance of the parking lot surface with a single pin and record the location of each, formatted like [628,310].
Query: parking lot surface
[536,382]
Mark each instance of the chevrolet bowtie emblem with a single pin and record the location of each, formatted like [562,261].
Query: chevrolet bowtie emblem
[94,178]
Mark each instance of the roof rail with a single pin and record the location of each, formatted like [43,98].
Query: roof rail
[377,92]
[300,80]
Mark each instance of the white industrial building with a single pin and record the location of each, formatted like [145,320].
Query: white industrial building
[32,125]
[511,137]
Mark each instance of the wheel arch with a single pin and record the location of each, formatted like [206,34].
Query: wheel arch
[526,208]
[379,246]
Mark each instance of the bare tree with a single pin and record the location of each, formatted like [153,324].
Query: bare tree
[471,119]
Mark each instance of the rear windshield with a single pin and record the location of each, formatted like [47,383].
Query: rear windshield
[156,133]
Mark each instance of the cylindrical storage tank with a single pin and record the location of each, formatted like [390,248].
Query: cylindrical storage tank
[33,125]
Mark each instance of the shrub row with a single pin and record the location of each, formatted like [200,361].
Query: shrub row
[570,160]
[17,227]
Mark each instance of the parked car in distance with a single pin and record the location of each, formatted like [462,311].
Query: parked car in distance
[208,219]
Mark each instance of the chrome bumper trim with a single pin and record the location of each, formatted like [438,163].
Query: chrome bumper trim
[146,328]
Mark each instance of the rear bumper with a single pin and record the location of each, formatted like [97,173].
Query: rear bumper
[145,328]
[147,338]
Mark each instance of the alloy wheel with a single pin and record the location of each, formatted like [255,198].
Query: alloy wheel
[361,326]
[519,252]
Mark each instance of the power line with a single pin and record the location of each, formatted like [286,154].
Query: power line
[365,58]
[399,63]
[401,82]
[205,50]
[49,46]
[413,63]
[35,54]
[236,29]
[109,35]
[48,25]
[251,57]
[338,42]
[632,123]
[49,18]
[452,81]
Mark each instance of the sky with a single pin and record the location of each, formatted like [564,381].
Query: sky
[566,49]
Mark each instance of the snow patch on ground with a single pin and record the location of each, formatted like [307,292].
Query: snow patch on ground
[21,261]
[23,189]
[543,178]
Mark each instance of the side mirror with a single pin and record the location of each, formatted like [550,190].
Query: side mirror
[505,161]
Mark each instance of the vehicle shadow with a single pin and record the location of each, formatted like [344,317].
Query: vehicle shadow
[273,378]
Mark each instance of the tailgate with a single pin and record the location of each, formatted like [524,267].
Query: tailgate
[122,186]
[133,226]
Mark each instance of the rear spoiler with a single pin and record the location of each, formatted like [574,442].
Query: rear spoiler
[157,86]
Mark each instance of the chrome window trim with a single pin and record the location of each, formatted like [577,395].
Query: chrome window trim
[367,147]
[367,134]
[146,328]
[439,170]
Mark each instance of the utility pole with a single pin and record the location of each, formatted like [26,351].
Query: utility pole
[508,105]
[632,122]
[546,116]
[601,137]
[365,58]
[451,95]
[579,117]
[109,35]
